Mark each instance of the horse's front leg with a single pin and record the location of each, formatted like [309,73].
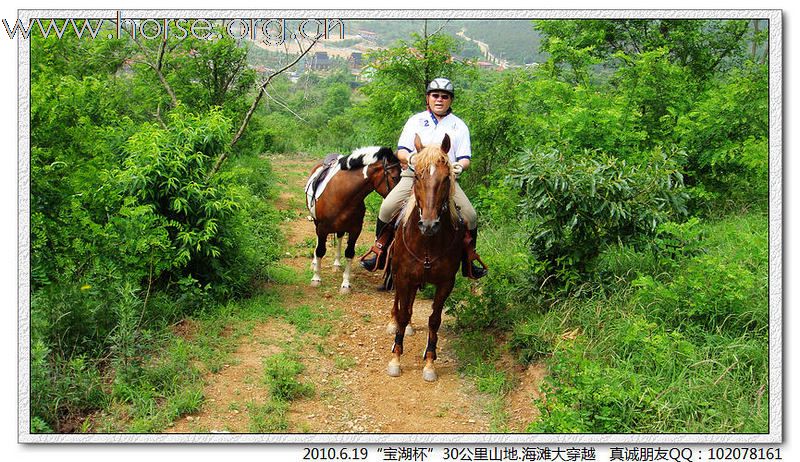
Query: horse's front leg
[319,252]
[337,242]
[349,253]
[434,321]
[401,313]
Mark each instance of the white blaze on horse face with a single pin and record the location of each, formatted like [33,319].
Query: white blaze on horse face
[433,169]
[364,171]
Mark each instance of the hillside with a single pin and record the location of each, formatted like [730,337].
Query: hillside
[512,40]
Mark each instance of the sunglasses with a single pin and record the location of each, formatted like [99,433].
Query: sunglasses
[443,96]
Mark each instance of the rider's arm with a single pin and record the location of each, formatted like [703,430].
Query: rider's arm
[405,145]
[464,148]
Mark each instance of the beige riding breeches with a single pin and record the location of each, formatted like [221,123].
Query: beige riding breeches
[397,198]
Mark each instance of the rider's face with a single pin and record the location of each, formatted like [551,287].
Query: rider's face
[439,102]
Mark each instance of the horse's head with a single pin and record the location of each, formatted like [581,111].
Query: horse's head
[434,185]
[386,173]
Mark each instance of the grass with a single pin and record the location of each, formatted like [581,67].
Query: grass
[658,343]
[280,376]
[162,389]
[344,362]
[312,320]
[170,384]
[478,356]
[692,346]
[270,417]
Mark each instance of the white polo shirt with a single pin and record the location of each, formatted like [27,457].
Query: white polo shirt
[432,131]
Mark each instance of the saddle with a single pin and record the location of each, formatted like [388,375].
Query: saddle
[320,176]
[385,241]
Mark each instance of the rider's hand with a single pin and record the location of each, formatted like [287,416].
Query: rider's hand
[411,161]
[457,169]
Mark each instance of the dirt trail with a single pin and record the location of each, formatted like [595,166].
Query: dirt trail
[353,393]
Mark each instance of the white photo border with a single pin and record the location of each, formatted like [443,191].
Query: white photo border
[775,434]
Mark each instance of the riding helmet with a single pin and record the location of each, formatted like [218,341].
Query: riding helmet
[441,84]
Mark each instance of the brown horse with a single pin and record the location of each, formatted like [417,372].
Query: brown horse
[427,249]
[340,208]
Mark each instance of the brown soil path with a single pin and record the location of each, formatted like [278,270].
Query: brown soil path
[353,393]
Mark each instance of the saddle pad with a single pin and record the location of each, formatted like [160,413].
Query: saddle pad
[318,180]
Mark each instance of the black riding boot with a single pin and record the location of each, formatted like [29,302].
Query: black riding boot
[477,271]
[382,239]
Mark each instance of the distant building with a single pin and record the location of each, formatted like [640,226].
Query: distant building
[320,61]
[355,60]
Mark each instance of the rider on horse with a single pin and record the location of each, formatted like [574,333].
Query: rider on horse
[431,126]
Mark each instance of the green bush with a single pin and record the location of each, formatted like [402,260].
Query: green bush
[579,204]
[722,290]
[682,348]
[62,389]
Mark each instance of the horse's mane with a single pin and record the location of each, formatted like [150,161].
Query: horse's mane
[429,156]
[362,157]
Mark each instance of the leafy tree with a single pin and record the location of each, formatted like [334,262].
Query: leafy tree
[705,47]
[128,229]
[208,73]
[726,134]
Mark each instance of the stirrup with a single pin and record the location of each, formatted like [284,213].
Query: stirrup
[382,243]
[374,263]
[469,267]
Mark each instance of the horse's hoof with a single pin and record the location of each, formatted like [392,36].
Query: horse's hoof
[393,370]
[315,283]
[344,290]
[429,375]
[409,330]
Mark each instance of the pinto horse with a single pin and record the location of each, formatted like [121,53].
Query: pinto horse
[427,248]
[340,208]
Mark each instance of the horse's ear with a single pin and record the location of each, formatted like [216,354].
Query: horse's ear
[446,143]
[418,143]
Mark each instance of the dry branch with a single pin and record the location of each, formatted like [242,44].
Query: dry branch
[261,91]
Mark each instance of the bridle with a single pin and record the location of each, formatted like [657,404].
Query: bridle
[427,261]
[386,176]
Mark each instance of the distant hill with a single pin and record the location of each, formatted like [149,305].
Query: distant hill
[512,40]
